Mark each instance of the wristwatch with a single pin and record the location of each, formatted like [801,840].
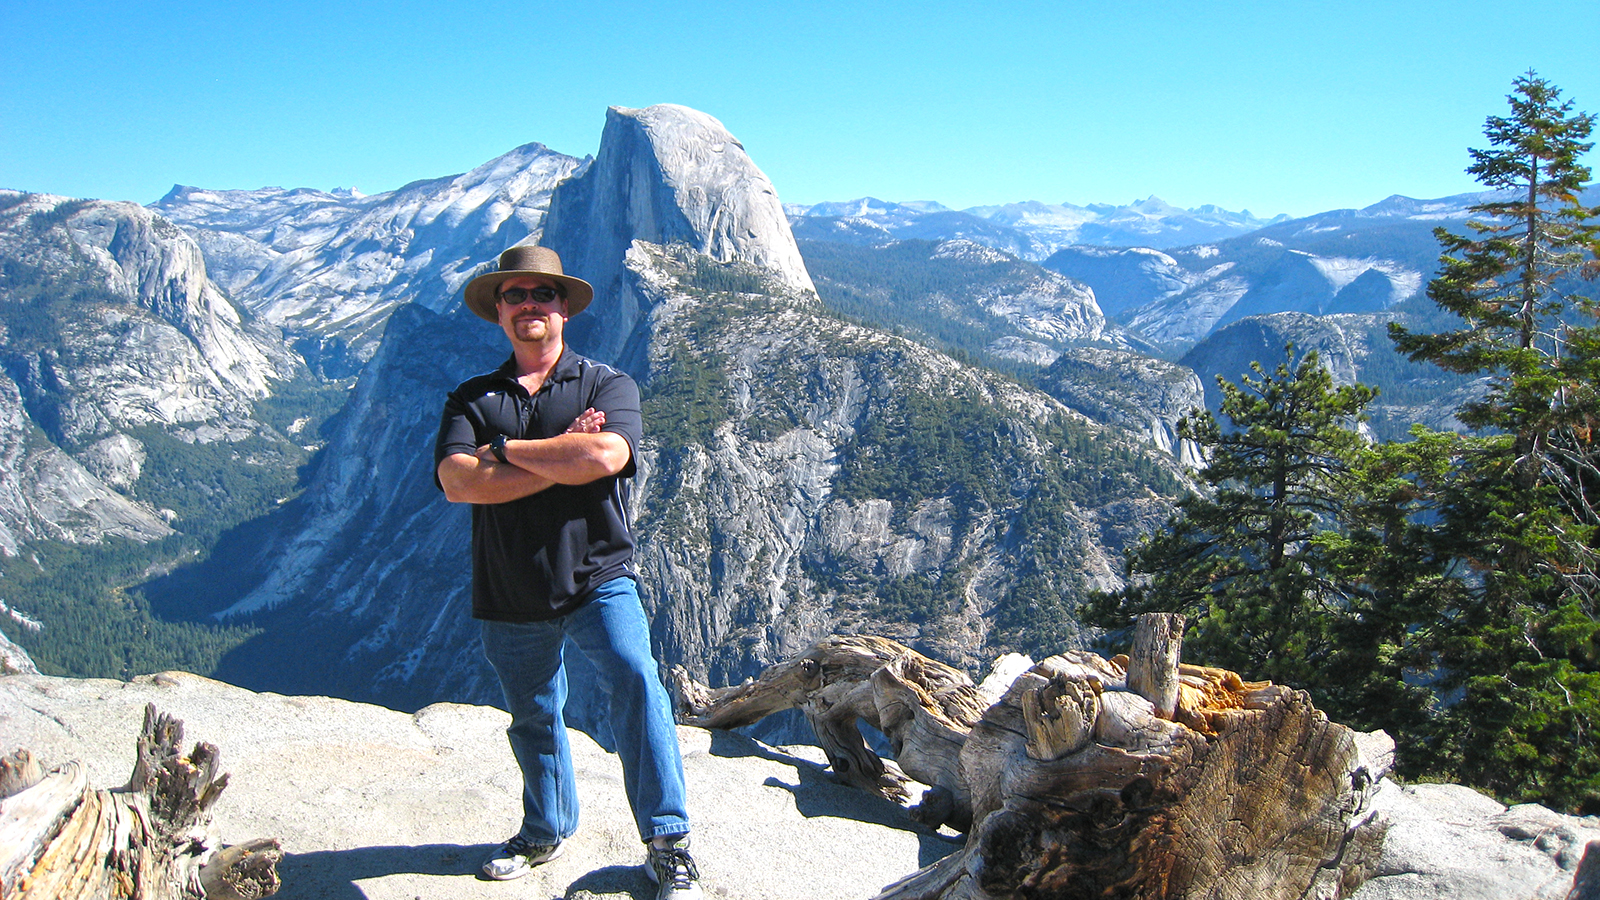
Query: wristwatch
[498,448]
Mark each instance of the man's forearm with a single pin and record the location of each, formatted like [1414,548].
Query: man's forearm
[571,458]
[468,479]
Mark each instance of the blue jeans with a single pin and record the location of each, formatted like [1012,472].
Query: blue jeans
[612,631]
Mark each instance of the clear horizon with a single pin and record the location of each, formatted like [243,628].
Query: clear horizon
[1293,110]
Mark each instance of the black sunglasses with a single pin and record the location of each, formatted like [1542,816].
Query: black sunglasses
[519,296]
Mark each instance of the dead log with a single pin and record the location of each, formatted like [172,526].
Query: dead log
[1074,785]
[1269,800]
[149,840]
[923,707]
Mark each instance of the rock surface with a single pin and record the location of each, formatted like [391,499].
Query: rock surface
[373,804]
[1449,841]
[664,175]
[14,660]
[380,805]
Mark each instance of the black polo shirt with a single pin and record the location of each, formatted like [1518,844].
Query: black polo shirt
[538,557]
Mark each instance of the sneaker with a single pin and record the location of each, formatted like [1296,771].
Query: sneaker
[517,857]
[673,871]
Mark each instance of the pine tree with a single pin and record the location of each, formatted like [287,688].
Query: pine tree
[1391,590]
[1517,644]
[1509,283]
[1243,560]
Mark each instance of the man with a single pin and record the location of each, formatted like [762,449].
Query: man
[542,447]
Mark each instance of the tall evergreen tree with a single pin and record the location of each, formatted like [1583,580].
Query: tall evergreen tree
[1243,560]
[1509,281]
[1517,644]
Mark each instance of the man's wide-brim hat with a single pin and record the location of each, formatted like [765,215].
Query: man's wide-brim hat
[517,262]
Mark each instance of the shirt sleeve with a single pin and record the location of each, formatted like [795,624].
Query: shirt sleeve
[618,397]
[456,434]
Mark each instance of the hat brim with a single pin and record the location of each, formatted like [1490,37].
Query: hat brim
[480,293]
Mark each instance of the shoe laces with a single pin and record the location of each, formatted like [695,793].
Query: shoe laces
[677,865]
[518,846]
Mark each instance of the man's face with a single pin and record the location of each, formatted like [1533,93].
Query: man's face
[533,320]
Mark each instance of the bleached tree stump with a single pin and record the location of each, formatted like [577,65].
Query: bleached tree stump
[1073,784]
[1251,795]
[1153,664]
[150,840]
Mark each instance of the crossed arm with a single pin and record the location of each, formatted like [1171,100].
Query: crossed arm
[582,454]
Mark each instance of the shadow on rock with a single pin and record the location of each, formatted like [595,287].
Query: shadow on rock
[614,881]
[332,874]
[817,793]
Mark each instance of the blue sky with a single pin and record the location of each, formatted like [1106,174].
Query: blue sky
[1274,107]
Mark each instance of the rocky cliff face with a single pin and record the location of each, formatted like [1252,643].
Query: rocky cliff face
[110,325]
[151,339]
[1353,348]
[959,295]
[789,512]
[47,495]
[365,578]
[1144,395]
[665,175]
[1038,303]
[14,660]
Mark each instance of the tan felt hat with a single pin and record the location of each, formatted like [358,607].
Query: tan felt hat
[526,260]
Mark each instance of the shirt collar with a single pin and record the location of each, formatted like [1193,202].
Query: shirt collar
[567,368]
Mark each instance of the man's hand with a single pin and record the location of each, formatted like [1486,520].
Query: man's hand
[589,422]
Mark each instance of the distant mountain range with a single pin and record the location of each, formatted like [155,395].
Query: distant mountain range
[1030,230]
[1170,275]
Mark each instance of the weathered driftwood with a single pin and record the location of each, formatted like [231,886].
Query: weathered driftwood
[149,840]
[923,707]
[1074,785]
[18,772]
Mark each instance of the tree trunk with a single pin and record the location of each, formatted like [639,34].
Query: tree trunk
[1074,785]
[150,840]
[1153,663]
